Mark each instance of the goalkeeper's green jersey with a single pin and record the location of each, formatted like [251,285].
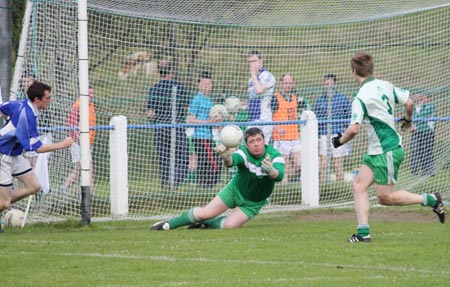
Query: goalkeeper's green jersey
[251,181]
[374,104]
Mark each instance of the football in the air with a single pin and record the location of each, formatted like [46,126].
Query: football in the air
[219,111]
[233,104]
[13,218]
[231,136]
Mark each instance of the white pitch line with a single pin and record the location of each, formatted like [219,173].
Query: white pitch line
[232,261]
[260,262]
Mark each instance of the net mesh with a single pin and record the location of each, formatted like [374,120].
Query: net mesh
[307,39]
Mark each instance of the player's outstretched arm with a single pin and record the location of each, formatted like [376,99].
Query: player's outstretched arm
[55,146]
[225,154]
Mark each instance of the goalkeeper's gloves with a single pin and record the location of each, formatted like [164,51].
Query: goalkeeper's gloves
[223,151]
[267,166]
[405,124]
[336,141]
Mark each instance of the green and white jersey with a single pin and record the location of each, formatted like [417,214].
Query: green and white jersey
[427,110]
[374,104]
[251,181]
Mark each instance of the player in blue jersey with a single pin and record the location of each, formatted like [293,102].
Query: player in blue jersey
[21,134]
[373,105]
[259,167]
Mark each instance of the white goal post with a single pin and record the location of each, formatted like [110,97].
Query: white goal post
[139,164]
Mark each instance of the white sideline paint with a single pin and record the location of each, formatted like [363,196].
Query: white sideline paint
[260,262]
[239,261]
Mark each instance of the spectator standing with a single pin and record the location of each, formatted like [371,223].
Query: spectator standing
[260,91]
[208,162]
[286,137]
[74,123]
[165,108]
[332,105]
[422,137]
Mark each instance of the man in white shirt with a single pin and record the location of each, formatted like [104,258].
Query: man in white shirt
[260,91]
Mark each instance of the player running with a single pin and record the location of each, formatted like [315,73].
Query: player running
[19,134]
[374,104]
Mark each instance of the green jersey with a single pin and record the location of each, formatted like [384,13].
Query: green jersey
[251,181]
[374,104]
[427,110]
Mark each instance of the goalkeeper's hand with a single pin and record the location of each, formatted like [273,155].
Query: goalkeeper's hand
[224,152]
[267,166]
[336,141]
[405,124]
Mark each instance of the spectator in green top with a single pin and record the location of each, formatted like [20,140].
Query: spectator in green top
[422,137]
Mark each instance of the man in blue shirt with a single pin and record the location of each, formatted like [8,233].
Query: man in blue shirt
[332,106]
[21,134]
[209,165]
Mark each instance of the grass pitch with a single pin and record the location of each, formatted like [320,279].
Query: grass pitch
[409,248]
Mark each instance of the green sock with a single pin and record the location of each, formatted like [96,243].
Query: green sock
[363,230]
[429,199]
[216,222]
[186,218]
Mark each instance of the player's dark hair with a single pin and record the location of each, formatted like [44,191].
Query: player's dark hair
[255,53]
[204,75]
[253,132]
[284,75]
[37,90]
[330,76]
[165,68]
[362,64]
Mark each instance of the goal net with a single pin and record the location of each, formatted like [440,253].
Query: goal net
[312,41]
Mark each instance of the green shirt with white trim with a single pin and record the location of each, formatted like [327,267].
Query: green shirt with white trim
[251,181]
[374,104]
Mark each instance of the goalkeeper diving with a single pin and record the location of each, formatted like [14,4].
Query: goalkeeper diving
[259,165]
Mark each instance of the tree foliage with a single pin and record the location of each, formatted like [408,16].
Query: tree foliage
[18,10]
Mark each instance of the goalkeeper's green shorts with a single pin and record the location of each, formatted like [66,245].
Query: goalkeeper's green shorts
[385,166]
[232,198]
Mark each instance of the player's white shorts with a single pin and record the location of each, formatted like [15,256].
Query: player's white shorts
[341,151]
[12,166]
[287,147]
[75,151]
